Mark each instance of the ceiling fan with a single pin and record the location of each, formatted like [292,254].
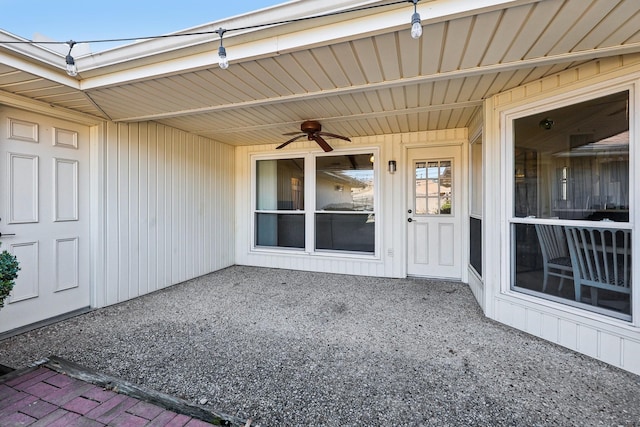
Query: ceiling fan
[313,131]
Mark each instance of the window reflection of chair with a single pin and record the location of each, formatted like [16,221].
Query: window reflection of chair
[601,260]
[555,254]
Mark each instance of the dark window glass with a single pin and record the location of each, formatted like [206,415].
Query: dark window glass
[280,230]
[345,232]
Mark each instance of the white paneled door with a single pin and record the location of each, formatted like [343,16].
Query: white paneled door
[434,212]
[44,215]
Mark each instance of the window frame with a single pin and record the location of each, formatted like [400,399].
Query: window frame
[310,204]
[507,119]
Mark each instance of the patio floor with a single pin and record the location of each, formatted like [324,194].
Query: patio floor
[297,348]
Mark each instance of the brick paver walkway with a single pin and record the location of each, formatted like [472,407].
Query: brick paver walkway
[44,397]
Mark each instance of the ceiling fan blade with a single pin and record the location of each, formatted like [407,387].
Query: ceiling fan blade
[333,135]
[321,142]
[284,144]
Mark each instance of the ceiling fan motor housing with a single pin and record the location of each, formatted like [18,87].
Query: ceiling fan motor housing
[310,126]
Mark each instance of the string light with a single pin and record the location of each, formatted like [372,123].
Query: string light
[72,69]
[223,61]
[416,25]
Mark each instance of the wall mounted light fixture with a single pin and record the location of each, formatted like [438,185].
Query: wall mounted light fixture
[392,166]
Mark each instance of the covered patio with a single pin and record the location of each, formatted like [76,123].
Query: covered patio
[286,347]
[154,165]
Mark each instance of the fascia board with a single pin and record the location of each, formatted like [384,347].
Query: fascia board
[38,69]
[179,41]
[35,59]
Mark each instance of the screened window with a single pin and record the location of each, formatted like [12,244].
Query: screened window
[344,217]
[572,164]
[279,216]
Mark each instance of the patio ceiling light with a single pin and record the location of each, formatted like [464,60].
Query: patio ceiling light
[223,62]
[72,69]
[416,25]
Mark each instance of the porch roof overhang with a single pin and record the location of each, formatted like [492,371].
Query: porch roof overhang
[360,73]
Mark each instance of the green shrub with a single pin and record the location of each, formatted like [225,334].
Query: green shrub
[9,268]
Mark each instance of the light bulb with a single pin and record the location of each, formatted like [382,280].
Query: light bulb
[222,55]
[416,26]
[72,69]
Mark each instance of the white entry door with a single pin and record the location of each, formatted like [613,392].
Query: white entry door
[434,212]
[44,215]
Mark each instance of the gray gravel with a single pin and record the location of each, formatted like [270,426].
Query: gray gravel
[298,348]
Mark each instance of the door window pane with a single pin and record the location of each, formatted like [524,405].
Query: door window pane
[433,186]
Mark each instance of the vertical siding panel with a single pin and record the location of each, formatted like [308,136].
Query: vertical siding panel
[219,212]
[123,212]
[143,209]
[192,209]
[568,334]
[209,218]
[181,227]
[111,214]
[187,236]
[196,230]
[202,214]
[206,199]
[152,240]
[167,199]
[176,207]
[212,195]
[610,348]
[134,210]
[229,204]
[631,358]
[169,208]
[588,340]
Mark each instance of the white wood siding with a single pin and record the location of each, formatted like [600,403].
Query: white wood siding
[614,342]
[163,208]
[391,213]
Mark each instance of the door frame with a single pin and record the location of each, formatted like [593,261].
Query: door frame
[96,138]
[443,141]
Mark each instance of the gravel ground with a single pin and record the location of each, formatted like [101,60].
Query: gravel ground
[297,348]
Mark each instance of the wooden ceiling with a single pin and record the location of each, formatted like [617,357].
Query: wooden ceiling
[362,81]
